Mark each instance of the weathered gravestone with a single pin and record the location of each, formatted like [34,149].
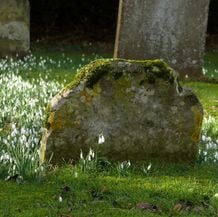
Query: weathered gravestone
[14,27]
[174,31]
[137,106]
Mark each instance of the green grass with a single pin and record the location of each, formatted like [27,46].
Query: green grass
[211,63]
[208,95]
[70,58]
[109,193]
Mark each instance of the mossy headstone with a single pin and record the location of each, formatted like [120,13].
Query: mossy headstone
[14,27]
[136,109]
[172,30]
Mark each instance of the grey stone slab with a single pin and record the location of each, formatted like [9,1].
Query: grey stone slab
[125,110]
[172,30]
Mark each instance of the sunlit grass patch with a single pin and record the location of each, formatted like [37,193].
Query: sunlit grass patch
[63,193]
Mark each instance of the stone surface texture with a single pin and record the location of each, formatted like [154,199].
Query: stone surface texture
[14,27]
[174,31]
[137,106]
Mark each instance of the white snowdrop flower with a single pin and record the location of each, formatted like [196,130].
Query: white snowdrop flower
[81,155]
[76,174]
[14,133]
[203,137]
[216,155]
[23,131]
[101,138]
[36,140]
[122,165]
[91,153]
[13,126]
[209,139]
[205,153]
[60,199]
[7,157]
[128,164]
[149,167]
[32,145]
[216,195]
[7,178]
[10,160]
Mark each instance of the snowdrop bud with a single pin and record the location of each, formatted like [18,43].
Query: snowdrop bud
[76,174]
[81,155]
[14,133]
[36,140]
[13,126]
[122,165]
[149,167]
[93,154]
[23,131]
[101,138]
[60,199]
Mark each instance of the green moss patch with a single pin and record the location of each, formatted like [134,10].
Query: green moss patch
[92,72]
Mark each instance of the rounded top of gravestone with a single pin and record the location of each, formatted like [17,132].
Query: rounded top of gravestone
[91,73]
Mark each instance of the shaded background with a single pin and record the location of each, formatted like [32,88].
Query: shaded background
[70,21]
[91,20]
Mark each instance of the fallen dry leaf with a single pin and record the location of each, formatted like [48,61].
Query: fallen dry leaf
[143,206]
[148,207]
[178,207]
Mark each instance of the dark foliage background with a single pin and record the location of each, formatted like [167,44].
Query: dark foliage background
[85,19]
[213,17]
[96,18]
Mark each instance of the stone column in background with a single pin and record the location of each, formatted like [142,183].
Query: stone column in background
[173,30]
[14,27]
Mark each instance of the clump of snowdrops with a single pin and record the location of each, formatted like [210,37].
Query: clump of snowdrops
[22,106]
[208,152]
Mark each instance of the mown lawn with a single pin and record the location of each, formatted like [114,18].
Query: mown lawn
[171,191]
[69,191]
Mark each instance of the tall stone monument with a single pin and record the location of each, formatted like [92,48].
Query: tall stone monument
[14,27]
[167,29]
